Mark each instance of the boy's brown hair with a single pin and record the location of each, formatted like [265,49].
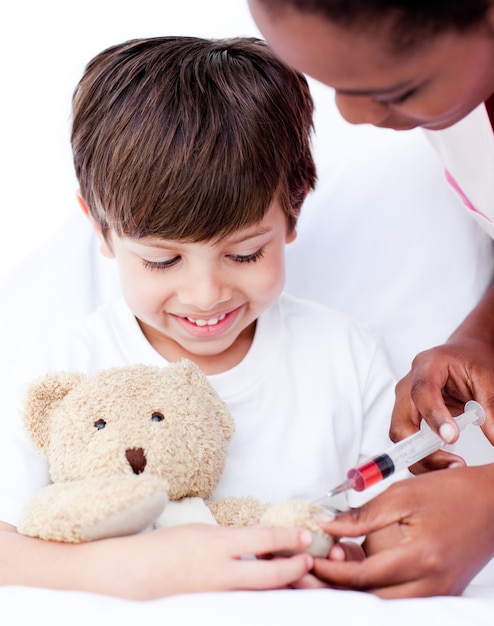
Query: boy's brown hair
[191,139]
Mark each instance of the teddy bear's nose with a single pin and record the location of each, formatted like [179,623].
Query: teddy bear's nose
[136,459]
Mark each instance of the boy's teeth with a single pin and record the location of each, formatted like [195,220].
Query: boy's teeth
[210,322]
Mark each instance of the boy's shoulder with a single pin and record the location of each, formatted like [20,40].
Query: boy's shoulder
[306,310]
[322,327]
[312,332]
[93,341]
[97,326]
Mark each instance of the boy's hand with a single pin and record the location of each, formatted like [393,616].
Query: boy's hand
[194,558]
[340,552]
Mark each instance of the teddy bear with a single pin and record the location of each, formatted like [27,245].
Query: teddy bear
[134,448]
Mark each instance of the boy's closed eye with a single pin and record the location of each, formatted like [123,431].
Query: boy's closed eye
[247,258]
[237,258]
[160,265]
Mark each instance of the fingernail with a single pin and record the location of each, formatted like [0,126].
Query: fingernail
[447,432]
[306,537]
[337,553]
[455,464]
[324,516]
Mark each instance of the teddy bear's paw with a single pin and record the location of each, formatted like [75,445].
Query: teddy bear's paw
[232,511]
[300,513]
[95,508]
[134,518]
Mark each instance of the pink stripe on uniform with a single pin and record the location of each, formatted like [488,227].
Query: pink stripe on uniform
[462,195]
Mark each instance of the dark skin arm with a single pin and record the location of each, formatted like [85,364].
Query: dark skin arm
[432,534]
[444,378]
[426,536]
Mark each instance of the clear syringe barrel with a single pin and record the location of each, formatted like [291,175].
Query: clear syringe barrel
[409,450]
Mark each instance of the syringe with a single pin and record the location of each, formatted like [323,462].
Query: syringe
[404,453]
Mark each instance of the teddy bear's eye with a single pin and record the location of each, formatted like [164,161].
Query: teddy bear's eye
[99,424]
[157,417]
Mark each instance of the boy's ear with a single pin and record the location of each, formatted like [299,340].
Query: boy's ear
[104,245]
[291,235]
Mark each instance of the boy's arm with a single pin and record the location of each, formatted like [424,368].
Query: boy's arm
[181,559]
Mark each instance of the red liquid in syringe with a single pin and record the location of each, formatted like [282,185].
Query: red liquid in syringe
[371,472]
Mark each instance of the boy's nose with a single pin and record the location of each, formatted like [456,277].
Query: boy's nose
[205,291]
[361,109]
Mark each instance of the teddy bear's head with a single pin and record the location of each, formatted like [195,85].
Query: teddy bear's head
[167,421]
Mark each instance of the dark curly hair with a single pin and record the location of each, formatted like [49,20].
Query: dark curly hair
[413,21]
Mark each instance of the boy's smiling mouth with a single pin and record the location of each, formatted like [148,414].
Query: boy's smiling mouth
[212,321]
[202,327]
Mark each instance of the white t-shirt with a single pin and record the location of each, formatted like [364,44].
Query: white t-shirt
[311,398]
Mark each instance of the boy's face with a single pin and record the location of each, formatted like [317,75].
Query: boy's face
[201,300]
[433,86]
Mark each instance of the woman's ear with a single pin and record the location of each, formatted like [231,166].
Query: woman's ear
[105,247]
[490,19]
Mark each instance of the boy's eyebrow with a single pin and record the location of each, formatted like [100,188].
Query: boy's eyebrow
[165,244]
[261,230]
[150,242]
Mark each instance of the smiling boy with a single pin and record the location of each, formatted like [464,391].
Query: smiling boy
[193,158]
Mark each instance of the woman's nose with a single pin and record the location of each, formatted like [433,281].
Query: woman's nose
[361,109]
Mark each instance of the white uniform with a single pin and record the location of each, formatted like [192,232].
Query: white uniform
[467,151]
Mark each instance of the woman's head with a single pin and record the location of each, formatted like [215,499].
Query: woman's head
[412,20]
[396,64]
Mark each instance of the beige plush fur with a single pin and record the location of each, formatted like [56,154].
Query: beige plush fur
[120,444]
[130,449]
[300,513]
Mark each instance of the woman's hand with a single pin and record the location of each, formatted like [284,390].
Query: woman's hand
[441,381]
[444,378]
[341,551]
[426,536]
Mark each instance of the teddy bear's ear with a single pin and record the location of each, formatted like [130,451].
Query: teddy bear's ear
[193,373]
[41,398]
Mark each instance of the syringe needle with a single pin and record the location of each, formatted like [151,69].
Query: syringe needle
[345,486]
[403,454]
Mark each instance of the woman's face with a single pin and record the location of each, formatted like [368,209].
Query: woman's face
[432,85]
